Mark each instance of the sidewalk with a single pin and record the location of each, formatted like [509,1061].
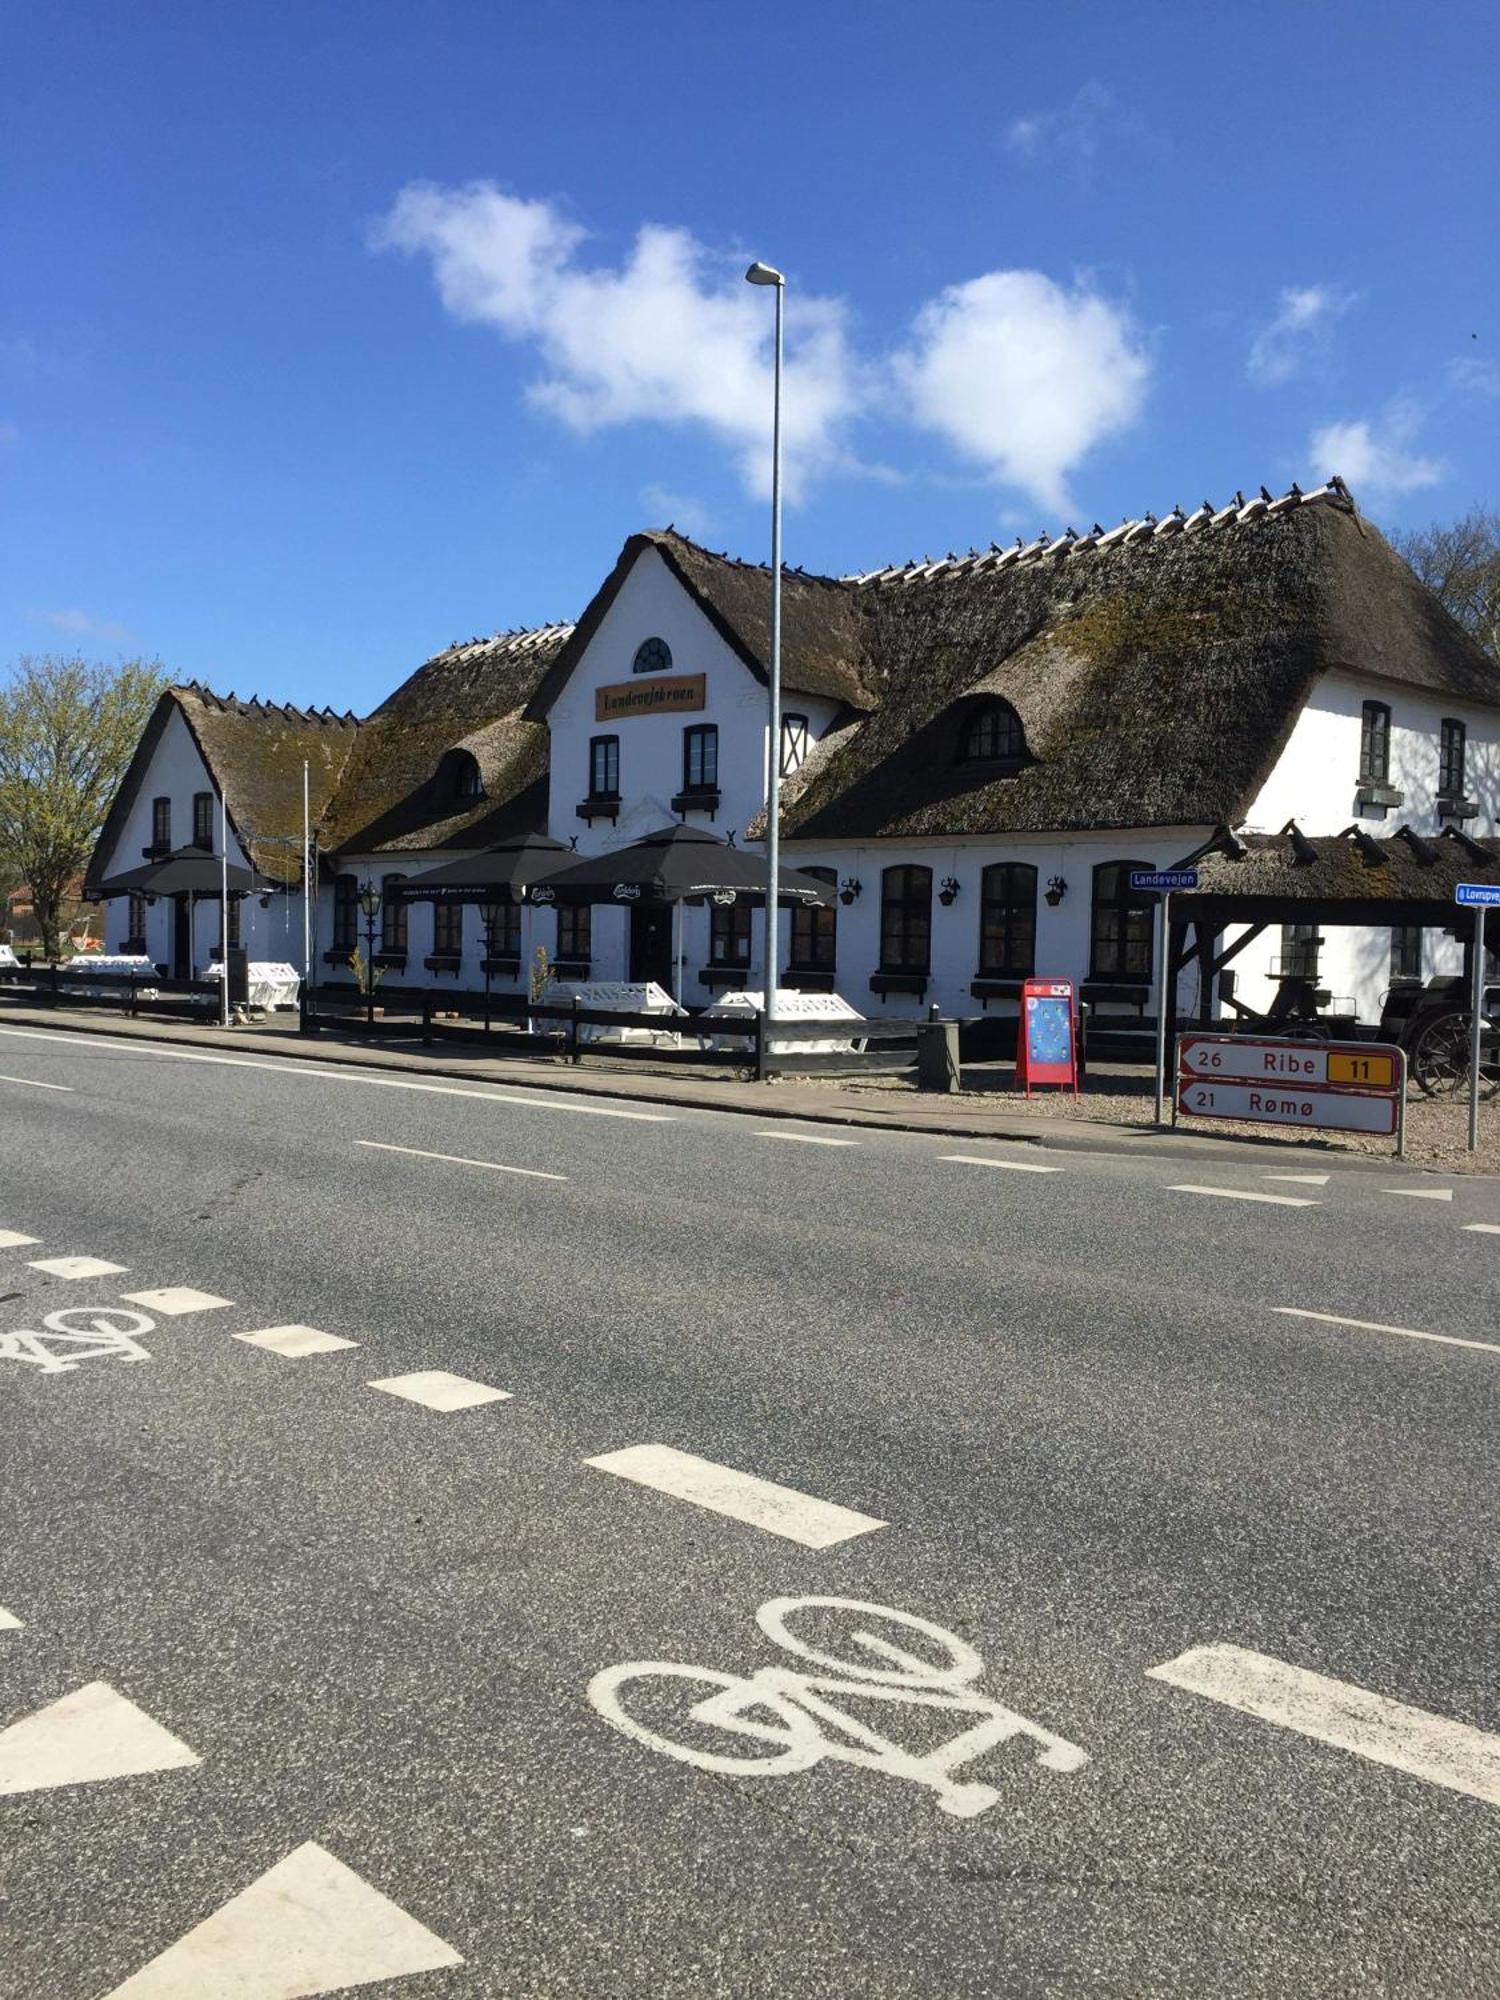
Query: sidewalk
[802,1100]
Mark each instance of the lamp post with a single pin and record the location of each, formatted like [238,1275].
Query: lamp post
[370,902]
[489,916]
[763,274]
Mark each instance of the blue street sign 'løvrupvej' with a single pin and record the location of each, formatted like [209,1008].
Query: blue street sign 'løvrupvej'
[1164,878]
[1485,894]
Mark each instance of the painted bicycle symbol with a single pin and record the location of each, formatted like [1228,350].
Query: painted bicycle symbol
[868,1653]
[106,1333]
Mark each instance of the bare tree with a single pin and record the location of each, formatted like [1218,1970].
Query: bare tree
[1461,563]
[68,729]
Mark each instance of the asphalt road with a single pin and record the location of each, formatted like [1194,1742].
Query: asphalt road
[324,1670]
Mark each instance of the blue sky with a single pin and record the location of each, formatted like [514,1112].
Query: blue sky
[331,332]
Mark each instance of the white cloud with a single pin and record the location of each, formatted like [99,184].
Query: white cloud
[1376,457]
[1473,376]
[671,335]
[1073,133]
[679,510]
[82,624]
[1025,377]
[1305,318]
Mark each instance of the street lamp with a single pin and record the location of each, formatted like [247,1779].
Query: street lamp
[763,274]
[370,901]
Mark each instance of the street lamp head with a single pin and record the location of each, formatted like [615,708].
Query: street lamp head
[763,274]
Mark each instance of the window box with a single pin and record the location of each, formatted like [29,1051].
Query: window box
[599,805]
[504,964]
[1116,991]
[1459,809]
[444,961]
[341,956]
[390,961]
[1375,792]
[155,851]
[699,799]
[723,975]
[571,968]
[989,986]
[134,947]
[808,979]
[899,982]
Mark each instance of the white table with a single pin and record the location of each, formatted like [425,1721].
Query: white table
[271,983]
[622,997]
[791,1005]
[116,963]
[8,960]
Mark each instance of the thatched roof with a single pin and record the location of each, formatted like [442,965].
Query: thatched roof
[1157,669]
[1351,877]
[255,751]
[398,793]
[821,643]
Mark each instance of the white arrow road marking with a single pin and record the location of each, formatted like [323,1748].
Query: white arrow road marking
[807,1138]
[436,1389]
[1350,1718]
[309,1925]
[12,1239]
[1482,1228]
[174,1299]
[31,1083]
[9,1622]
[76,1267]
[1375,1326]
[1012,1166]
[295,1341]
[780,1510]
[1307,1180]
[90,1735]
[1422,1194]
[457,1160]
[1244,1194]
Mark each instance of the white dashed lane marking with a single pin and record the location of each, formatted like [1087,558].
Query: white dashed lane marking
[1244,1194]
[1482,1228]
[457,1160]
[31,1083]
[77,1267]
[309,1925]
[90,1735]
[780,1510]
[174,1299]
[9,1622]
[807,1138]
[1011,1166]
[295,1341]
[1376,1326]
[1350,1718]
[1307,1180]
[1422,1194]
[436,1389]
[13,1239]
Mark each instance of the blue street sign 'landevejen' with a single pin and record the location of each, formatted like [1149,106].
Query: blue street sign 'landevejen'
[1164,878]
[1485,894]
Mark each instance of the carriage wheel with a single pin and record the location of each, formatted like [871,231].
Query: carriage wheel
[1440,1058]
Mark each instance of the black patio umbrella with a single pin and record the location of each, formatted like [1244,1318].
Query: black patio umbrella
[678,864]
[502,874]
[189,872]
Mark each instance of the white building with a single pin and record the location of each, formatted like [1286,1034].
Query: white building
[975,751]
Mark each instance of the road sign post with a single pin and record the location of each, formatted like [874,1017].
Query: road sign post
[1480,897]
[1163,881]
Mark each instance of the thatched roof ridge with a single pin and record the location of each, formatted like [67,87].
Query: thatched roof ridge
[472,696]
[1343,871]
[1157,669]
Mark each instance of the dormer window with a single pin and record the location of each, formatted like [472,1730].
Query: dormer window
[458,776]
[652,656]
[991,734]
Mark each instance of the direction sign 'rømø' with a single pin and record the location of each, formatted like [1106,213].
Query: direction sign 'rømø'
[1330,1086]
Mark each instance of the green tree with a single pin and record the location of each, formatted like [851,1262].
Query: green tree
[68,729]
[1460,561]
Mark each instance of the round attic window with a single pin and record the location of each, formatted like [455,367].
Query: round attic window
[652,656]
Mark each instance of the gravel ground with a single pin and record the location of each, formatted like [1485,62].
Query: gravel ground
[1436,1129]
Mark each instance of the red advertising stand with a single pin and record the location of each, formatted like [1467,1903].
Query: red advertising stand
[1047,1035]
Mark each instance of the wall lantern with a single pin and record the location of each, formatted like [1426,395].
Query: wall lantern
[849,888]
[1057,888]
[948,889]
